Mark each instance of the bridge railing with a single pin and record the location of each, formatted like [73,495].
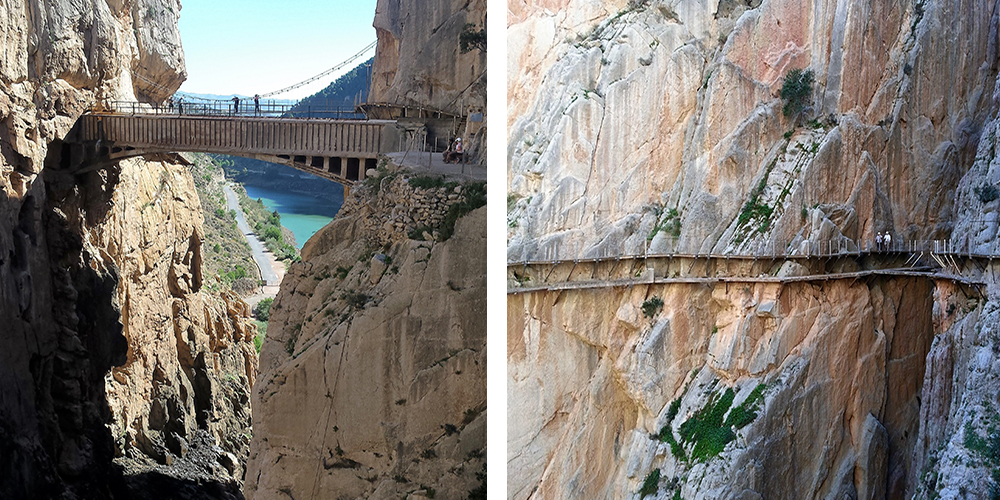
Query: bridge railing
[782,250]
[223,109]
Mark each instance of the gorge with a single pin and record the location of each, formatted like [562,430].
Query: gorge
[124,377]
[657,127]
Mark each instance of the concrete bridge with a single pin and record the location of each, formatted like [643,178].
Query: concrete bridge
[340,150]
[930,259]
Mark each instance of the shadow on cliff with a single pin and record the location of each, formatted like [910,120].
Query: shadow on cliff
[62,334]
[159,486]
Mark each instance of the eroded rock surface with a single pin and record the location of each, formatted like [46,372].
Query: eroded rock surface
[373,372]
[656,126]
[111,348]
[419,61]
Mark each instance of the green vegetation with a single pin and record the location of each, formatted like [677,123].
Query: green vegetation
[356,300]
[795,91]
[417,233]
[262,310]
[258,340]
[706,430]
[987,448]
[229,264]
[652,306]
[342,271]
[474,196]
[651,484]
[470,38]
[479,492]
[290,343]
[986,192]
[428,182]
[373,184]
[266,224]
[344,92]
[670,221]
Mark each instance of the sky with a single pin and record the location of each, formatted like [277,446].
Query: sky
[256,46]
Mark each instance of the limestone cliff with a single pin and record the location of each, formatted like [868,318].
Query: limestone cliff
[628,116]
[110,347]
[418,60]
[649,106]
[373,372]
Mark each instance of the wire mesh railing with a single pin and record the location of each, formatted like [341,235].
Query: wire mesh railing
[223,109]
[769,250]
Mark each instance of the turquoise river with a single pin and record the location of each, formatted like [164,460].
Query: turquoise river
[302,214]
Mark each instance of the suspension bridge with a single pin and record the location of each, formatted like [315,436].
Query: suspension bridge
[940,259]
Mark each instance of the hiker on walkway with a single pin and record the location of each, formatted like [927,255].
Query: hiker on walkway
[256,104]
[236,105]
[878,241]
[454,155]
[888,242]
[180,106]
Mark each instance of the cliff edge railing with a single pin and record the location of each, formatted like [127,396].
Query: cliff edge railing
[813,261]
[338,149]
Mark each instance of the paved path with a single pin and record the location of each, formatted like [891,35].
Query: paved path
[433,164]
[259,253]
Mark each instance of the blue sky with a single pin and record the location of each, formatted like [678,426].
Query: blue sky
[258,46]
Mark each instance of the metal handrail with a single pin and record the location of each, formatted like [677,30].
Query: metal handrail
[226,109]
[806,249]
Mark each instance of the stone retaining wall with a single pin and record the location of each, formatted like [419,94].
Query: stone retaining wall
[395,208]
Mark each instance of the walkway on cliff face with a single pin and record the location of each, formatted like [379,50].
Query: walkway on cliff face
[424,163]
[936,262]
[260,255]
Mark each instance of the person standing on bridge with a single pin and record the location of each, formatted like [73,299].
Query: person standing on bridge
[888,242]
[180,106]
[236,105]
[256,104]
[878,242]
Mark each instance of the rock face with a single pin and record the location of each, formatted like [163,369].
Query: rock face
[630,117]
[652,106]
[191,360]
[111,349]
[372,381]
[418,60]
[591,378]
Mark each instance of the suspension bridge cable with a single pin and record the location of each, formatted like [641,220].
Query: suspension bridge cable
[276,92]
[321,75]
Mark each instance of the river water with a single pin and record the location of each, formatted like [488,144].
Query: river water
[302,214]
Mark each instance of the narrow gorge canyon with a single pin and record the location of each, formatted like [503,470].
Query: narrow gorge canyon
[656,127]
[124,376]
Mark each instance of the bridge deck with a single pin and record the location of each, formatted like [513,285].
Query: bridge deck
[341,150]
[261,135]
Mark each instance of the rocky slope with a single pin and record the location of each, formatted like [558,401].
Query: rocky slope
[111,349]
[628,116]
[372,381]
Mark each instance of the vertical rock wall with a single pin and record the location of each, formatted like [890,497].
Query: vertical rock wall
[673,105]
[591,379]
[373,373]
[418,61]
[110,347]
[624,112]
